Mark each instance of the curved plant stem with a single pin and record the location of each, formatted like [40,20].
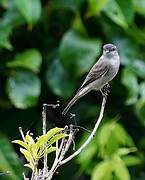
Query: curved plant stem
[91,135]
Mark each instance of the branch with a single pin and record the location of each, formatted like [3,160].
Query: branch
[91,135]
[65,144]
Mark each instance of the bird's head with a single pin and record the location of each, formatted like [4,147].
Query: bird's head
[109,49]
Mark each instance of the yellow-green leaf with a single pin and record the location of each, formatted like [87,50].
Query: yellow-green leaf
[131,160]
[29,139]
[120,169]
[27,154]
[56,138]
[51,149]
[125,151]
[29,166]
[102,171]
[53,131]
[95,6]
[44,138]
[23,144]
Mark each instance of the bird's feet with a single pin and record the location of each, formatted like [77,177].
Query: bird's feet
[105,90]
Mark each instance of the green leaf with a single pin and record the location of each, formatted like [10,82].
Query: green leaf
[56,138]
[32,147]
[95,6]
[110,136]
[127,49]
[10,20]
[4,3]
[141,90]
[121,136]
[78,25]
[44,138]
[27,154]
[131,160]
[102,171]
[140,110]
[30,10]
[23,144]
[33,150]
[121,12]
[29,139]
[53,132]
[29,166]
[129,80]
[139,6]
[4,37]
[9,161]
[125,151]
[59,80]
[127,9]
[129,54]
[141,102]
[23,89]
[30,59]
[51,149]
[65,4]
[120,169]
[138,67]
[85,158]
[78,53]
[115,13]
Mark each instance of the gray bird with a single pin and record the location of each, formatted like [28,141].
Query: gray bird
[100,74]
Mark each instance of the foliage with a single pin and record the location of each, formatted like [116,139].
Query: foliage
[33,150]
[113,145]
[47,48]
[10,164]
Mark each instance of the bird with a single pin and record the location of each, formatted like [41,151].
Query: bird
[99,76]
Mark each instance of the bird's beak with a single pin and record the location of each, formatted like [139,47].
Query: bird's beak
[107,51]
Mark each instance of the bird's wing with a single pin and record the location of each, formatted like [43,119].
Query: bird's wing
[98,70]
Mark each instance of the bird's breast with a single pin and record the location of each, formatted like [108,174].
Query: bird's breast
[113,67]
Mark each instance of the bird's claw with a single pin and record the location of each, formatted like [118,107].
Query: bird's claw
[105,90]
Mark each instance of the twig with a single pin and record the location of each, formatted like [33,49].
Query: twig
[83,128]
[44,132]
[22,134]
[91,135]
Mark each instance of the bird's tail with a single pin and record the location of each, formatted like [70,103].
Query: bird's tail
[79,94]
[75,98]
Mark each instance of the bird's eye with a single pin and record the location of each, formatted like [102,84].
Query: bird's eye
[113,49]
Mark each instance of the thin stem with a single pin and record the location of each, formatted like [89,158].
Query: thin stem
[44,119]
[22,134]
[91,135]
[44,132]
[56,153]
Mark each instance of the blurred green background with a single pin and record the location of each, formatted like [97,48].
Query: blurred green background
[46,49]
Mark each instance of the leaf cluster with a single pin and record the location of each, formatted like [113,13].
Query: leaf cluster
[34,150]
